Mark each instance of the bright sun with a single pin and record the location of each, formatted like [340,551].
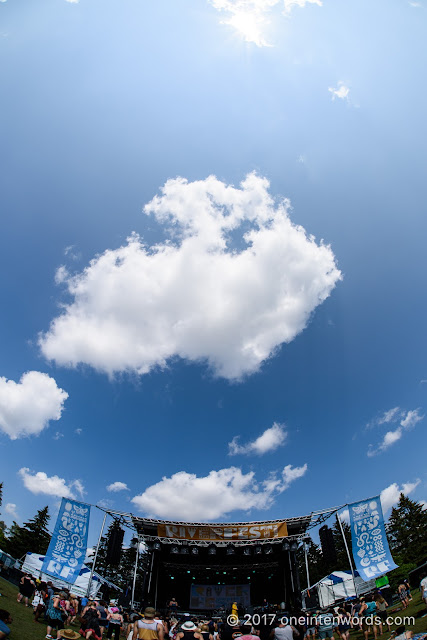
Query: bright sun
[249,24]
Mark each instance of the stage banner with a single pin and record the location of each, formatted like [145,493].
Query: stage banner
[371,552]
[207,596]
[67,549]
[223,532]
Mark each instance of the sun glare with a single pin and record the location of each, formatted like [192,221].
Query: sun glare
[250,26]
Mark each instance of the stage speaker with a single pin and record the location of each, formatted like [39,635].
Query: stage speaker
[328,544]
[114,545]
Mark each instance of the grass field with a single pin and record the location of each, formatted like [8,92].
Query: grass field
[23,626]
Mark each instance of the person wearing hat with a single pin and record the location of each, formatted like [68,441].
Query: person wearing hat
[148,628]
[69,634]
[189,631]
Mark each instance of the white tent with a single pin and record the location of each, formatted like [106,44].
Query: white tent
[339,585]
[33,564]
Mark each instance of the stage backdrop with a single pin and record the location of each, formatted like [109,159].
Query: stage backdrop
[207,596]
[223,532]
[371,552]
[67,549]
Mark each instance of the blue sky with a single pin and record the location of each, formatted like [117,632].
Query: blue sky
[212,228]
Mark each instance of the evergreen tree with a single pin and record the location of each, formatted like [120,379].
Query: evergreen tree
[32,536]
[121,575]
[317,566]
[2,524]
[342,563]
[407,531]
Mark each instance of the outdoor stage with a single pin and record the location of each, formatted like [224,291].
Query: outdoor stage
[208,566]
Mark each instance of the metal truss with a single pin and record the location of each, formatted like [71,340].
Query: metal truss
[137,524]
[221,567]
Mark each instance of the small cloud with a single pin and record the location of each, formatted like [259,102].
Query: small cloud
[58,435]
[388,416]
[72,1]
[340,92]
[117,486]
[290,474]
[105,503]
[69,251]
[10,509]
[414,3]
[27,406]
[411,419]
[406,421]
[41,483]
[270,440]
[423,381]
[301,159]
[390,496]
[61,275]
[78,431]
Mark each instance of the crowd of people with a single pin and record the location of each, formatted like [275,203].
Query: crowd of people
[96,619]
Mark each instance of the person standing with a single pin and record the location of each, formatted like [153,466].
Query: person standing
[403,596]
[115,621]
[382,612]
[423,587]
[26,589]
[54,616]
[189,632]
[284,631]
[326,624]
[148,629]
[103,616]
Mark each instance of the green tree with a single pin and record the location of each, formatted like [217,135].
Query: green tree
[32,536]
[2,524]
[342,563]
[407,531]
[317,566]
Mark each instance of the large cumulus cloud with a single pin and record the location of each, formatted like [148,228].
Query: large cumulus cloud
[235,280]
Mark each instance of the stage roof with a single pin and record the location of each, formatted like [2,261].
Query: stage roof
[222,533]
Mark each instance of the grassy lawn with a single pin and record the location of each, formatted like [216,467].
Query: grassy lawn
[23,625]
[416,608]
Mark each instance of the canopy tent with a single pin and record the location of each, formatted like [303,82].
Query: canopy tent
[338,585]
[33,564]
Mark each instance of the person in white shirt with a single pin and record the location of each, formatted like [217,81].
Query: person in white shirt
[423,588]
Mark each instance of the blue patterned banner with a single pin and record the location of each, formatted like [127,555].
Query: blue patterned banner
[371,552]
[67,548]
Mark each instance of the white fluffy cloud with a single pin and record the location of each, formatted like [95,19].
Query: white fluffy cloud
[10,509]
[269,440]
[27,406]
[341,91]
[184,496]
[250,18]
[117,486]
[389,497]
[40,482]
[406,420]
[197,296]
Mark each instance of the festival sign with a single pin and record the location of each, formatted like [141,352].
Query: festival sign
[250,531]
[371,552]
[207,596]
[67,549]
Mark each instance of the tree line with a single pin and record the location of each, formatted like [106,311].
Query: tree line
[407,535]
